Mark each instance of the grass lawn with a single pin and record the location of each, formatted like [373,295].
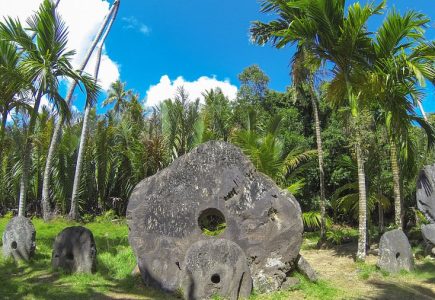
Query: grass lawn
[341,278]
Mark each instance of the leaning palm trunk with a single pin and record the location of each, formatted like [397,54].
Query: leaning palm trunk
[362,239]
[422,111]
[321,171]
[24,181]
[58,128]
[79,165]
[396,185]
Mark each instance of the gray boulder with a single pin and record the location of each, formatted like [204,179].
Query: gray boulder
[426,193]
[305,268]
[19,239]
[395,252]
[74,250]
[216,267]
[213,187]
[428,232]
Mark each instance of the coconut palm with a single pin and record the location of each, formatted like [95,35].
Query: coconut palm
[118,96]
[58,128]
[338,35]
[89,105]
[43,63]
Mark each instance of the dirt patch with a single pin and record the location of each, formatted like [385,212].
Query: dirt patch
[338,267]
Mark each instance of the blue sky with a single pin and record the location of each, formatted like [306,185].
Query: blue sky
[156,45]
[205,38]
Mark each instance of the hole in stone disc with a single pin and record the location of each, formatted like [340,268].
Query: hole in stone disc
[397,255]
[212,222]
[14,245]
[215,278]
[70,256]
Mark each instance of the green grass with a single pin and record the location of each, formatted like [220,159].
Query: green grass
[304,290]
[424,271]
[113,279]
[37,280]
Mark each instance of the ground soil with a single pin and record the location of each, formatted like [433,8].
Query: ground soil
[337,266]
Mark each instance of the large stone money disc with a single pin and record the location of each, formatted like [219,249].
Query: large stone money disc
[214,183]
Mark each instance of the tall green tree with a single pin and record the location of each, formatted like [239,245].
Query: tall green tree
[338,35]
[43,63]
[13,87]
[182,123]
[73,211]
[58,128]
[217,115]
[402,60]
[118,96]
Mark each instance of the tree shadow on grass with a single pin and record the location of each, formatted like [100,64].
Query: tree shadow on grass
[390,291]
[36,280]
[108,244]
[426,270]
[346,250]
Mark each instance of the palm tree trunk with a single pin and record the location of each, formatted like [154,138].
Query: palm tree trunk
[27,156]
[362,239]
[58,128]
[422,110]
[73,209]
[79,165]
[3,132]
[321,171]
[396,185]
[381,217]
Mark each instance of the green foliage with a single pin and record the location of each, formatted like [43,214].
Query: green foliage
[312,220]
[107,216]
[339,235]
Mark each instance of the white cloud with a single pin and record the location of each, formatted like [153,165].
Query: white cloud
[133,23]
[167,88]
[83,18]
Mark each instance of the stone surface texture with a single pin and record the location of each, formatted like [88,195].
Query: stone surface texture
[216,267]
[426,192]
[395,252]
[428,232]
[19,239]
[306,269]
[163,212]
[74,250]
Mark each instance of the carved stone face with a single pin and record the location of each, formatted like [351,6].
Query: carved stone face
[213,188]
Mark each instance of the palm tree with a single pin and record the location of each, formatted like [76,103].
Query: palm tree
[304,68]
[402,60]
[337,35]
[58,128]
[79,164]
[118,95]
[182,123]
[43,64]
[265,149]
[12,86]
[217,115]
